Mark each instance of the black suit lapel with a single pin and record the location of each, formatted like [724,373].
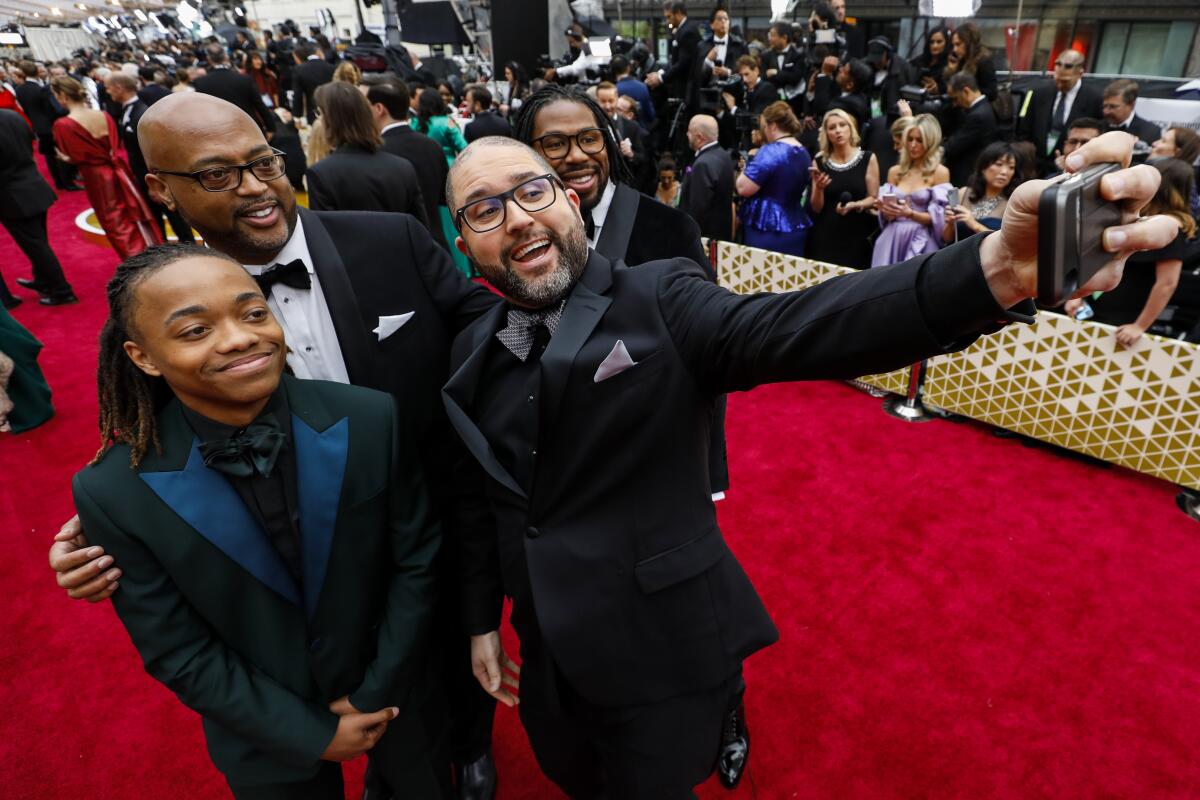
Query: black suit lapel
[339,297]
[618,225]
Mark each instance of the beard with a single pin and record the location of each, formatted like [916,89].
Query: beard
[550,287]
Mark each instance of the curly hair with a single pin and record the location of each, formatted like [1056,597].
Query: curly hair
[618,170]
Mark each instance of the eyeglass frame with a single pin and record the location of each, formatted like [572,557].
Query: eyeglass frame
[505,197]
[241,168]
[1058,64]
[572,141]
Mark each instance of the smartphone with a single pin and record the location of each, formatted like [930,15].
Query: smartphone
[952,198]
[1071,221]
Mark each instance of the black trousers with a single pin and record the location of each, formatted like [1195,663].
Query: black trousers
[30,235]
[649,752]
[62,172]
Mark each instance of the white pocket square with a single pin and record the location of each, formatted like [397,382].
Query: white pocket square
[614,363]
[389,325]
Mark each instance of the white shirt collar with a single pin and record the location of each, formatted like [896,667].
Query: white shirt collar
[975,102]
[296,247]
[388,127]
[130,101]
[713,143]
[313,58]
[600,212]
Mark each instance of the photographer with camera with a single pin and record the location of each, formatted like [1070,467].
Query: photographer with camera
[785,66]
[739,115]
[853,80]
[891,73]
[721,51]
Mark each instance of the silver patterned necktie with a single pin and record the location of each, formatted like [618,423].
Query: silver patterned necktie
[518,335]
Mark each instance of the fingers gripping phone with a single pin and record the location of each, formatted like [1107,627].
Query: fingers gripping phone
[1071,221]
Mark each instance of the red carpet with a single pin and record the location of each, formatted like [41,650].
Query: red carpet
[962,616]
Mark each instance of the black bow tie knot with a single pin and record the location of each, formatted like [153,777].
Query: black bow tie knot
[293,274]
[254,449]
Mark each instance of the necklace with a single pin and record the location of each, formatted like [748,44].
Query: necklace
[853,162]
[985,207]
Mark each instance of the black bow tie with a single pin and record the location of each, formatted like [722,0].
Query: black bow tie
[293,274]
[719,41]
[253,449]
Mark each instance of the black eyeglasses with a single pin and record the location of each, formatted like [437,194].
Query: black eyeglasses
[226,179]
[556,145]
[1064,65]
[488,213]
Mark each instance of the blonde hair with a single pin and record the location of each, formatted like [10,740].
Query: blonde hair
[931,135]
[348,72]
[318,142]
[823,137]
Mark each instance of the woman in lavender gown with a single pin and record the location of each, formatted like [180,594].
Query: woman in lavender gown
[774,182]
[912,204]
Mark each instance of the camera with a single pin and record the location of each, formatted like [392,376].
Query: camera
[921,101]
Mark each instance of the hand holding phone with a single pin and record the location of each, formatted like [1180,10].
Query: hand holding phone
[1072,217]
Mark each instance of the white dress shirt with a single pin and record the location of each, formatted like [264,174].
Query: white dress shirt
[1069,99]
[127,109]
[721,46]
[313,349]
[600,212]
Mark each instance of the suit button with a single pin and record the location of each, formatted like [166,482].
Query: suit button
[532,532]
[314,645]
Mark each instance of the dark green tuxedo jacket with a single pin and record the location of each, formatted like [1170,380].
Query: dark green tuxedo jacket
[218,618]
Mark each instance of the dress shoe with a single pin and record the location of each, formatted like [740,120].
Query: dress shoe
[58,299]
[735,747]
[31,285]
[477,780]
[12,302]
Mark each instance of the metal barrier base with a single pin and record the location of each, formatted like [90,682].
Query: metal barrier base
[901,408]
[1188,501]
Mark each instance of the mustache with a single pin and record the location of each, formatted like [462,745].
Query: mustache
[545,233]
[258,201]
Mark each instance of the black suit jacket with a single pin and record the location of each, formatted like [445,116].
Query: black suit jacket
[614,560]
[151,93]
[38,104]
[976,131]
[764,93]
[429,161]
[735,48]
[137,161]
[682,72]
[219,619]
[306,78]
[23,191]
[639,229]
[1144,129]
[706,194]
[239,89]
[352,179]
[788,65]
[489,123]
[1034,125]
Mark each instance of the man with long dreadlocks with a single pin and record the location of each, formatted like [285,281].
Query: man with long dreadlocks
[575,136]
[273,532]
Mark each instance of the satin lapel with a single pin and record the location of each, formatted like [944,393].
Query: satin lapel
[320,470]
[339,297]
[204,500]
[458,395]
[618,224]
[585,307]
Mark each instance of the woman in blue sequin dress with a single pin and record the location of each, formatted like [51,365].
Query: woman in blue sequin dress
[774,182]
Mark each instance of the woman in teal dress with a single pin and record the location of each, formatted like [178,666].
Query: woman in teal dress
[24,394]
[433,120]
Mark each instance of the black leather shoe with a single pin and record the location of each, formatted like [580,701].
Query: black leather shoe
[373,786]
[31,284]
[58,299]
[735,747]
[477,780]
[12,302]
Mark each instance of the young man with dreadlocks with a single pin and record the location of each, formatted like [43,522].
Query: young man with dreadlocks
[575,136]
[273,535]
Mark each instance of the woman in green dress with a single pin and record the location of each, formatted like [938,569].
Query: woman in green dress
[433,120]
[24,394]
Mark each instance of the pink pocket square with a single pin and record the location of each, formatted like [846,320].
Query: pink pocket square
[614,363]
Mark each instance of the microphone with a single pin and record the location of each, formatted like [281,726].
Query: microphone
[845,198]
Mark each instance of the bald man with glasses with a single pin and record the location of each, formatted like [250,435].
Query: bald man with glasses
[1050,109]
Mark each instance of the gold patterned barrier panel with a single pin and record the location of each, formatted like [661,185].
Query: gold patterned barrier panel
[1059,380]
[746,270]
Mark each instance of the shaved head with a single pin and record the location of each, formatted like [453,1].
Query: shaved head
[706,125]
[479,147]
[174,123]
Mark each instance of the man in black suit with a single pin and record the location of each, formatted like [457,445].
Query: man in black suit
[757,91]
[584,400]
[379,308]
[1120,97]
[24,200]
[123,90]
[1052,108]
[784,66]
[707,191]
[233,87]
[631,139]
[976,130]
[486,121]
[152,91]
[854,38]
[720,52]
[39,105]
[683,56]
[846,90]
[311,71]
[390,105]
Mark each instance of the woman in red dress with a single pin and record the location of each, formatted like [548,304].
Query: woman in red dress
[88,139]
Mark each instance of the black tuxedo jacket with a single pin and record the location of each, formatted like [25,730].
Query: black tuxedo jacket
[306,78]
[151,93]
[613,558]
[489,123]
[353,179]
[1034,126]
[429,161]
[239,89]
[789,66]
[137,162]
[680,76]
[38,104]
[1144,129]
[642,164]
[976,131]
[764,93]
[639,229]
[735,48]
[23,191]
[219,619]
[706,194]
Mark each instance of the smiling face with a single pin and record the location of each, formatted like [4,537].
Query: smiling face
[607,98]
[533,258]
[202,324]
[190,131]
[584,173]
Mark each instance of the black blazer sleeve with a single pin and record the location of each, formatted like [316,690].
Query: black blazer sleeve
[458,300]
[297,93]
[687,53]
[415,539]
[975,132]
[319,198]
[179,650]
